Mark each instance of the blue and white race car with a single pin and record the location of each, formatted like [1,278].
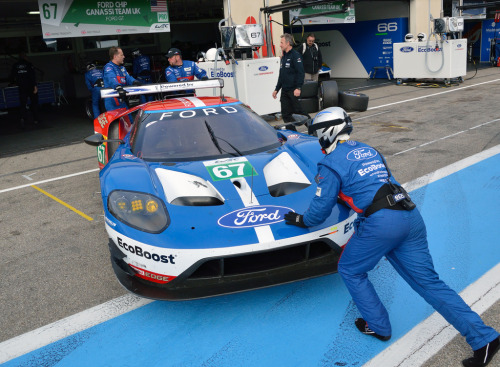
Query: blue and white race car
[195,190]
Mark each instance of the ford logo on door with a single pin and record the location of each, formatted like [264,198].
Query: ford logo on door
[361,154]
[406,49]
[254,216]
[263,68]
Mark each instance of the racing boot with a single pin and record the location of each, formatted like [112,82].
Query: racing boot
[363,327]
[484,355]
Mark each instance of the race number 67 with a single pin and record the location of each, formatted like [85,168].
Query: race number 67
[46,10]
[224,171]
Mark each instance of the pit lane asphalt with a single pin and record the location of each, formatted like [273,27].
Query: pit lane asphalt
[55,263]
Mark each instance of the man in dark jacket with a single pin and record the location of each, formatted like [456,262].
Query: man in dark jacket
[23,74]
[290,80]
[311,56]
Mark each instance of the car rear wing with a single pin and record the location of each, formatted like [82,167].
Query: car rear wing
[164,87]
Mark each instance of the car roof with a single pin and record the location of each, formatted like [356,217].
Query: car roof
[186,103]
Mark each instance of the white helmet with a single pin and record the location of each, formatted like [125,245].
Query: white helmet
[331,125]
[409,37]
[212,54]
[422,37]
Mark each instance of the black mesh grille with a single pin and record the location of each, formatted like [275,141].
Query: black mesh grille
[262,261]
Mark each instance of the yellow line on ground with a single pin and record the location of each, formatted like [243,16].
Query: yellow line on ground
[63,203]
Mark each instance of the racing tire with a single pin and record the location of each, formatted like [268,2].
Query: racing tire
[328,94]
[88,108]
[113,133]
[353,101]
[309,89]
[309,105]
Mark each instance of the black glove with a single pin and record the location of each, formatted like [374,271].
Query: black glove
[295,219]
[121,92]
[136,82]
[204,78]
[99,83]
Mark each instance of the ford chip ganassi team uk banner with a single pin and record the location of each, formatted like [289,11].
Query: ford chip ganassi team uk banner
[316,11]
[81,18]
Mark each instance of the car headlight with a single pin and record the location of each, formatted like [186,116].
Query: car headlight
[139,210]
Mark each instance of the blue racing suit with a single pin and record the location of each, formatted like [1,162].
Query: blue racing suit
[91,80]
[114,76]
[141,70]
[355,172]
[187,71]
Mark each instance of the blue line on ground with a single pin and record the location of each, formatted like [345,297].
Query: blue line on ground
[307,323]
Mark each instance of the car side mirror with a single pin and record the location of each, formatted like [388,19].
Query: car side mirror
[94,140]
[97,139]
[299,120]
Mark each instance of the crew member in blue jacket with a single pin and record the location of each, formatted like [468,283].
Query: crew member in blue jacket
[94,81]
[116,77]
[180,70]
[388,225]
[141,70]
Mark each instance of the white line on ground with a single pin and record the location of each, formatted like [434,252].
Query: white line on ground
[48,180]
[446,137]
[428,337]
[51,333]
[432,95]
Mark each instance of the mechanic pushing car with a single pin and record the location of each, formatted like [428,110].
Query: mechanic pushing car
[388,225]
[180,70]
[290,80]
[94,81]
[116,76]
[141,70]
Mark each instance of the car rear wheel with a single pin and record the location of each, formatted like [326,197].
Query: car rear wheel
[309,105]
[113,133]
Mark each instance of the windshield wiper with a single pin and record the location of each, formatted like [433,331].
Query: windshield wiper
[212,136]
[216,138]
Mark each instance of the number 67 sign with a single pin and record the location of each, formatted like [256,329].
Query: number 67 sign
[229,168]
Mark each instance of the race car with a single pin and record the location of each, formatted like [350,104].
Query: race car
[195,190]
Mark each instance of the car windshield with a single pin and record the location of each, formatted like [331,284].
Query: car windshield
[201,133]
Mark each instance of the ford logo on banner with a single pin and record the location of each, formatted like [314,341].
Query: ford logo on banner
[254,216]
[406,49]
[459,45]
[361,154]
[263,68]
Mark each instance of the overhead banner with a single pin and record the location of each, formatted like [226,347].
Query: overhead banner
[83,18]
[475,13]
[316,14]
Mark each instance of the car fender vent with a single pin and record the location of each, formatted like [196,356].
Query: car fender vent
[187,190]
[284,176]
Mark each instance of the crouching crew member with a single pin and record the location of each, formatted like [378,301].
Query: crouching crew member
[388,225]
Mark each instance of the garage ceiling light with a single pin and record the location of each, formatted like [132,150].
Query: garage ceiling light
[36,12]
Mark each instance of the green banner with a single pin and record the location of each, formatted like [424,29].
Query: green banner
[316,12]
[81,18]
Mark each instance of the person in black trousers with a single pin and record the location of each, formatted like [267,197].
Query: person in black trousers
[23,74]
[290,80]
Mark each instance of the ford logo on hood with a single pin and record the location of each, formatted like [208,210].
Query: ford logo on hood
[263,68]
[361,154]
[254,216]
[406,49]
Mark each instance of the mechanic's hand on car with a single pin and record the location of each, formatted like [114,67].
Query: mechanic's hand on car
[121,92]
[136,82]
[295,219]
[204,78]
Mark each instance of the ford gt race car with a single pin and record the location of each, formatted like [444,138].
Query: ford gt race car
[195,190]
